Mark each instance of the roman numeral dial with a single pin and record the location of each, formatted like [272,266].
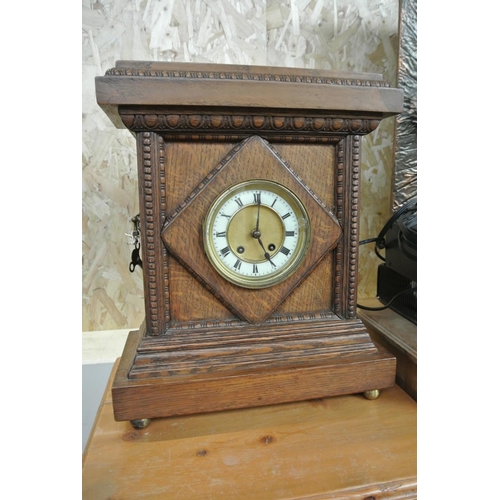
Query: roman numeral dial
[256,233]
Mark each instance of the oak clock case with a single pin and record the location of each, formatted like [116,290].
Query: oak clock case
[249,196]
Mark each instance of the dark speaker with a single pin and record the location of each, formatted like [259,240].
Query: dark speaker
[397,277]
[389,284]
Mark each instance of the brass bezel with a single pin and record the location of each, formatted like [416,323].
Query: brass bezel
[304,236]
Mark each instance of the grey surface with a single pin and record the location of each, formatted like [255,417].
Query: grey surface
[405,175]
[94,381]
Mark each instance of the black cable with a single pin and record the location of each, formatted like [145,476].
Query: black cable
[378,255]
[379,243]
[381,308]
[370,240]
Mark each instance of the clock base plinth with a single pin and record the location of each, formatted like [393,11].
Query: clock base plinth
[306,364]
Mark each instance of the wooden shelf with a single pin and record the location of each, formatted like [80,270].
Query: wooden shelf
[344,447]
[399,336]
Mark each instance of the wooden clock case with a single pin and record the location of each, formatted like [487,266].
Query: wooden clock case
[209,345]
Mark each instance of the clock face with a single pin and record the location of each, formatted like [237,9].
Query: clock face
[256,233]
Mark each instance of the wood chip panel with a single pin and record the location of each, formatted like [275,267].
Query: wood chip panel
[347,35]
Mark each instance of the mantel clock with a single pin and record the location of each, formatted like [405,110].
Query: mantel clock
[249,196]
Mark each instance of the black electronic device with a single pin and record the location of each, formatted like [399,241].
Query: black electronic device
[397,276]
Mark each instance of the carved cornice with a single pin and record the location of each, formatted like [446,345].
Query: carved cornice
[230,75]
[219,125]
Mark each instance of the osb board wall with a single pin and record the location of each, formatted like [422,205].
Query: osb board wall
[358,35]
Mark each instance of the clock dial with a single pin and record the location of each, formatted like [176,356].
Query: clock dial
[256,233]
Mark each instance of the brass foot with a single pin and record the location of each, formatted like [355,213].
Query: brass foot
[373,394]
[140,423]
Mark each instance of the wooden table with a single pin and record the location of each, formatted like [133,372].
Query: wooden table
[345,447]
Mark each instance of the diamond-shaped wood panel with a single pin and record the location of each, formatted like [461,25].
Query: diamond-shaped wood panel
[183,232]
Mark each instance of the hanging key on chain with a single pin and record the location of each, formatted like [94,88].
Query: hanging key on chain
[134,239]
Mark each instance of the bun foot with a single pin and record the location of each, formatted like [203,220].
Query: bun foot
[373,394]
[140,423]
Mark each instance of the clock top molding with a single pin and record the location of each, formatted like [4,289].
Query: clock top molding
[299,100]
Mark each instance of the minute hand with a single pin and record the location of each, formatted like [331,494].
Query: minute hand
[266,254]
[258,212]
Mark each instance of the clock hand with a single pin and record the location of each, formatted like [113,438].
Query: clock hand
[257,234]
[266,255]
[258,213]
